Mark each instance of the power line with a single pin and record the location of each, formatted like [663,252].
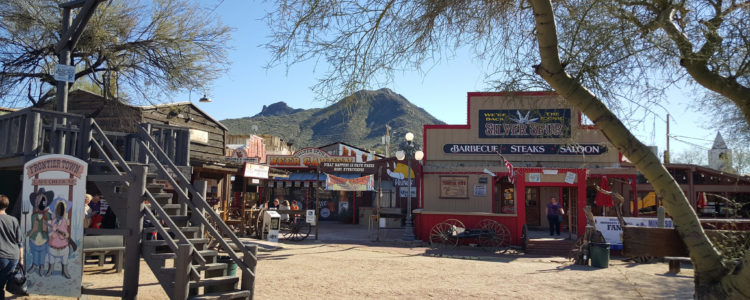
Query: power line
[689,137]
[690,143]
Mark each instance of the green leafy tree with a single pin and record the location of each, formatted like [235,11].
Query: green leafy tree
[142,49]
[601,56]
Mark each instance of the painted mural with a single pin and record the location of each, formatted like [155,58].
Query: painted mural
[53,210]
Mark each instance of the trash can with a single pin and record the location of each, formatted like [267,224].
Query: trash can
[231,270]
[599,255]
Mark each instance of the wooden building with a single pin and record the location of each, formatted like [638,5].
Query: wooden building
[207,136]
[700,184]
[552,154]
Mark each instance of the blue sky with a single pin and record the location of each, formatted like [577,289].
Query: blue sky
[247,86]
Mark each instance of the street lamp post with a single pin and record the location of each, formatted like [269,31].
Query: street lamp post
[409,152]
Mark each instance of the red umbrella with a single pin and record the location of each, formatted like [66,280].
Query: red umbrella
[601,198]
[701,200]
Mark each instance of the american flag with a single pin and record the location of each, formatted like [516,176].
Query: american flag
[511,170]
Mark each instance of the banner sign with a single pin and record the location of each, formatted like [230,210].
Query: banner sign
[364,183]
[348,167]
[549,149]
[305,158]
[52,205]
[612,232]
[256,171]
[524,123]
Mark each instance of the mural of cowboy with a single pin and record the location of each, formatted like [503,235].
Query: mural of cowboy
[39,233]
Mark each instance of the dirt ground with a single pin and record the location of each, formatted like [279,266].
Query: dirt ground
[314,270]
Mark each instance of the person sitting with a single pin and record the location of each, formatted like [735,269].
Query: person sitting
[274,205]
[87,212]
[96,213]
[284,206]
[294,207]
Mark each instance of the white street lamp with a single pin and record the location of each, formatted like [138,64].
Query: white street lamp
[409,153]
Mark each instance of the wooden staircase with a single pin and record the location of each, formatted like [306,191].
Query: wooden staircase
[180,224]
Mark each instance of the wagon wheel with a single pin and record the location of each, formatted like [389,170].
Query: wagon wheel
[295,230]
[496,236]
[259,223]
[443,235]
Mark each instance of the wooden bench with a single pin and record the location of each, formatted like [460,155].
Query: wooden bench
[674,263]
[102,245]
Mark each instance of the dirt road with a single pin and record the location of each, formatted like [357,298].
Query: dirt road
[350,271]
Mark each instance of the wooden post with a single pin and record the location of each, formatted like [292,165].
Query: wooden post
[62,86]
[377,206]
[660,217]
[182,263]
[243,217]
[84,144]
[201,186]
[248,280]
[317,201]
[33,134]
[134,222]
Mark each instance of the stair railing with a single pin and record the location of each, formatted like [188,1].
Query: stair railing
[127,173]
[197,202]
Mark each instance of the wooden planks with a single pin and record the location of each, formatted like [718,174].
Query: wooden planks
[649,241]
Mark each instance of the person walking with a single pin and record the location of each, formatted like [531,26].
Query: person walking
[11,250]
[554,215]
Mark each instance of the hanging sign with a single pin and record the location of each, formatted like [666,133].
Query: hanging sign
[256,171]
[65,73]
[52,205]
[524,123]
[305,158]
[570,178]
[548,149]
[364,183]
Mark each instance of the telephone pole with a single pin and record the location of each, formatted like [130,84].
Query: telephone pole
[71,33]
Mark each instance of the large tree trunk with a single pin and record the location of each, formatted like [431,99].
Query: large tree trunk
[712,279]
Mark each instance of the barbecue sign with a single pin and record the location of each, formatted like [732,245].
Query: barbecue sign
[524,123]
[559,149]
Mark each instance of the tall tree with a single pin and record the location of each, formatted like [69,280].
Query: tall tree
[140,49]
[599,55]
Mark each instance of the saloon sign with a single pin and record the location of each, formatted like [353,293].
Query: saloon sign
[305,158]
[524,123]
[559,149]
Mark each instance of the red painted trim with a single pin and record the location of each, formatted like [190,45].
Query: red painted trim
[440,173]
[446,126]
[532,93]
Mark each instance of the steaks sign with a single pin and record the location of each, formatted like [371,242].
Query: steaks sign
[548,149]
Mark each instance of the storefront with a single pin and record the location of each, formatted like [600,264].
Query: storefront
[305,184]
[549,153]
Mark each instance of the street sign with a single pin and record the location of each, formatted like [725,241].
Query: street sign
[65,73]
[404,192]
